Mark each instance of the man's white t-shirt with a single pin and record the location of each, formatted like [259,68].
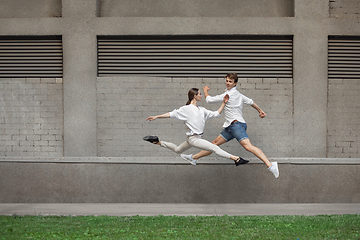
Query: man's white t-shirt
[233,108]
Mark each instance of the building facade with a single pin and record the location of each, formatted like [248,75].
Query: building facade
[68,97]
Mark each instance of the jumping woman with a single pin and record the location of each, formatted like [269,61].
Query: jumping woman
[194,117]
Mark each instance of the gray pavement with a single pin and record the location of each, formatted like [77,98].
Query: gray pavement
[180,209]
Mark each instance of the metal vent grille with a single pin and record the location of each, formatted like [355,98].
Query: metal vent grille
[344,57]
[195,56]
[31,57]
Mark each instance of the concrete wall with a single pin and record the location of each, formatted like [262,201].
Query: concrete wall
[108,181]
[30,9]
[196,8]
[344,8]
[80,25]
[303,113]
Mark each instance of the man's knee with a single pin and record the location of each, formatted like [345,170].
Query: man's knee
[218,141]
[247,146]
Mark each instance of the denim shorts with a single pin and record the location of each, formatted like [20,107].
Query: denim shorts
[236,130]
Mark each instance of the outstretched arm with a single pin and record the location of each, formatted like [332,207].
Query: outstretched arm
[225,100]
[262,114]
[165,115]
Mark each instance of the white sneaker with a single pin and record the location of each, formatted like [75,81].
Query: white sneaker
[274,169]
[189,158]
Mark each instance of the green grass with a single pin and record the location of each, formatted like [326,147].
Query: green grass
[177,227]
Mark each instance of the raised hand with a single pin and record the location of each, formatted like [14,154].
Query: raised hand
[206,88]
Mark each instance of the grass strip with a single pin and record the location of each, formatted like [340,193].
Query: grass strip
[180,227]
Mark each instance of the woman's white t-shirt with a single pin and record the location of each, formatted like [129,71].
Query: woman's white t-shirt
[194,117]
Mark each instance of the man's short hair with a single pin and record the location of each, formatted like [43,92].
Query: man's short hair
[232,76]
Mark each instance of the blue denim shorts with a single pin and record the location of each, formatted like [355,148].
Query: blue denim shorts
[236,130]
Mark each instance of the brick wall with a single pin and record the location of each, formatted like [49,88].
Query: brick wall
[124,103]
[343,118]
[31,117]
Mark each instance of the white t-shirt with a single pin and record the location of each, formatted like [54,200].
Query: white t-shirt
[194,117]
[233,108]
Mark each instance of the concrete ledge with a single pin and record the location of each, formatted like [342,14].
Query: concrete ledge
[177,160]
[169,209]
[173,180]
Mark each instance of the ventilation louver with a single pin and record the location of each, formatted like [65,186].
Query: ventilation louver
[195,56]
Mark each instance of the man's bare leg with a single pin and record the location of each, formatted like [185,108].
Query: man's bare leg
[256,151]
[203,153]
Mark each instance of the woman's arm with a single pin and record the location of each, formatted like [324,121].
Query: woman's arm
[165,115]
[225,100]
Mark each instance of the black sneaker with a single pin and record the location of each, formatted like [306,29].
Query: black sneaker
[240,161]
[152,139]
